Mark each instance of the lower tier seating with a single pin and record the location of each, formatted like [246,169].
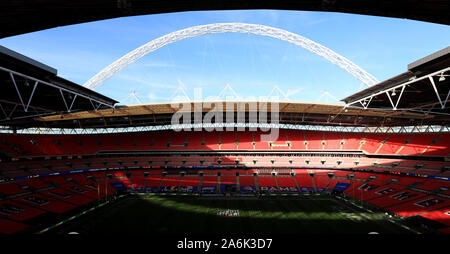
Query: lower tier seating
[23,200]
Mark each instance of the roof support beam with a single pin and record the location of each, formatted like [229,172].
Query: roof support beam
[402,86]
[12,73]
[3,110]
[31,96]
[64,99]
[400,96]
[17,90]
[390,99]
[71,105]
[435,89]
[111,129]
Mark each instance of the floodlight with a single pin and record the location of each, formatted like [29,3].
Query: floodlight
[442,77]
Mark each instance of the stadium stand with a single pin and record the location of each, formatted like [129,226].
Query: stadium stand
[18,212]
[11,227]
[247,180]
[333,140]
[50,175]
[228,140]
[418,144]
[41,202]
[143,140]
[212,140]
[195,140]
[209,181]
[372,142]
[314,140]
[352,141]
[393,144]
[190,181]
[382,144]
[439,146]
[264,181]
[440,215]
[286,181]
[419,206]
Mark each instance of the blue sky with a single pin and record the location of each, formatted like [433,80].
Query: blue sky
[251,65]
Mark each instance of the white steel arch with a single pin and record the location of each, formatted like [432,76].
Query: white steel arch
[256,29]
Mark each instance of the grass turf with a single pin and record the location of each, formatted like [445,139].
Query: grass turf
[141,214]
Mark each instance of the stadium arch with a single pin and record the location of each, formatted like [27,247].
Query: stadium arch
[256,29]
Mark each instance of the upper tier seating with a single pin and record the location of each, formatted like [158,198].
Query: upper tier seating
[434,144]
[108,142]
[314,140]
[245,140]
[393,144]
[332,140]
[143,140]
[418,144]
[161,140]
[211,141]
[260,142]
[372,142]
[440,147]
[352,141]
[297,139]
[281,141]
[70,144]
[178,140]
[126,142]
[228,140]
[195,140]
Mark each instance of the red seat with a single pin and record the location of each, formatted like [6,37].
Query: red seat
[246,181]
[286,181]
[314,140]
[11,227]
[228,139]
[333,140]
[209,181]
[18,212]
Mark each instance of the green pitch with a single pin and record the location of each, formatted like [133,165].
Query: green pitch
[140,214]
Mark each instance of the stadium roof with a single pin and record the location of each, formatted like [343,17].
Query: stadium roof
[18,16]
[31,88]
[34,96]
[297,113]
[424,87]
[416,95]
